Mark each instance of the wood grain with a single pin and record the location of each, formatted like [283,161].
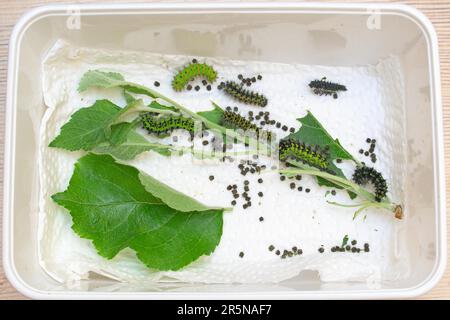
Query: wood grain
[437,11]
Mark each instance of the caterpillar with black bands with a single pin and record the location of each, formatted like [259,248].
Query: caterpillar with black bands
[364,175]
[192,71]
[236,121]
[298,151]
[162,126]
[323,87]
[237,91]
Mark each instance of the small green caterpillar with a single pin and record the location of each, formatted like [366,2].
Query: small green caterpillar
[311,155]
[236,121]
[191,71]
[246,96]
[363,175]
[162,126]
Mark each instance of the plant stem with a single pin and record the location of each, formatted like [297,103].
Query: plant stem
[350,186]
[347,184]
[138,106]
[214,154]
[347,205]
[199,153]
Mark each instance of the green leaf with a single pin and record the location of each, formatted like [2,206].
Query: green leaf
[117,131]
[92,129]
[156,105]
[120,132]
[95,78]
[86,127]
[101,79]
[214,115]
[171,197]
[128,97]
[110,206]
[134,145]
[312,132]
[134,108]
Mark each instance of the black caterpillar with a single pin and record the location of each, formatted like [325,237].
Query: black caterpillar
[363,175]
[323,87]
[237,91]
[311,155]
[236,121]
[162,126]
[191,71]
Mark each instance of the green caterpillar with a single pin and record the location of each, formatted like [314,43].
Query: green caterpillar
[162,126]
[236,121]
[236,90]
[313,156]
[191,71]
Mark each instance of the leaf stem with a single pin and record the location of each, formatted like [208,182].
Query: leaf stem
[199,153]
[350,186]
[347,205]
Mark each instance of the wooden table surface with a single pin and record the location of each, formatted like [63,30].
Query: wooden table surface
[438,11]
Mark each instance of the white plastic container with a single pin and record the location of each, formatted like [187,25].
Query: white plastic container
[327,34]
